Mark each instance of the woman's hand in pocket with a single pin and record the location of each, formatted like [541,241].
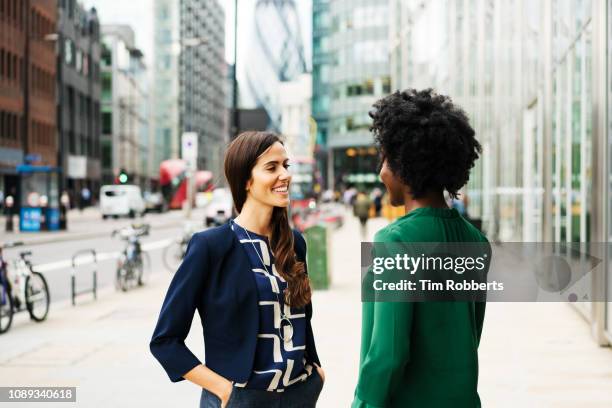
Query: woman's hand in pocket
[212,382]
[320,371]
[226,393]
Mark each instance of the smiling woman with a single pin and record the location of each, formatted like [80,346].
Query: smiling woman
[248,280]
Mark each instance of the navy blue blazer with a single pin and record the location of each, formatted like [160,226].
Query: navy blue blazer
[215,278]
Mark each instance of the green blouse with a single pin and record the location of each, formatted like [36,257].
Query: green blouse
[422,354]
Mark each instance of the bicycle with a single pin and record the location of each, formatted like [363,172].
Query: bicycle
[130,265]
[21,288]
[175,251]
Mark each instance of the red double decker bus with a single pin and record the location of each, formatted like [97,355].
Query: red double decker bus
[173,182]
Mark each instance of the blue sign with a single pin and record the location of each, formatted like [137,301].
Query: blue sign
[53,219]
[29,219]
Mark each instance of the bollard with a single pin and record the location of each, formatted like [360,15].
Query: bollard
[64,203]
[43,201]
[8,203]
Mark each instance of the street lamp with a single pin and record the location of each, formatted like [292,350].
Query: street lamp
[235,128]
[61,182]
[190,172]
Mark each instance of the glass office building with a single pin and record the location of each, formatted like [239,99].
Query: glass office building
[189,79]
[277,52]
[357,74]
[534,77]
[321,93]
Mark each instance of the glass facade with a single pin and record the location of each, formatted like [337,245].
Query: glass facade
[321,65]
[166,83]
[202,79]
[189,80]
[499,77]
[279,44]
[607,167]
[530,75]
[357,75]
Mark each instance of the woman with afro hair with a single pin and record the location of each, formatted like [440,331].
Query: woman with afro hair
[422,354]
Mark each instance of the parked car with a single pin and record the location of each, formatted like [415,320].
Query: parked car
[155,202]
[118,200]
[220,209]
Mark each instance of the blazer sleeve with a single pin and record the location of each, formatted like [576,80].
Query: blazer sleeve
[168,341]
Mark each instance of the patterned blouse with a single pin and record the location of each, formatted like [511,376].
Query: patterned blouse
[279,353]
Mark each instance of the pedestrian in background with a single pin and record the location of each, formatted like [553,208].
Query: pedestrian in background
[422,354]
[249,283]
[376,197]
[85,196]
[361,210]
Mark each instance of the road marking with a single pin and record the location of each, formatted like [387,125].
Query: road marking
[102,256]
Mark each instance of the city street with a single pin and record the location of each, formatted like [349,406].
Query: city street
[500,111]
[52,251]
[531,355]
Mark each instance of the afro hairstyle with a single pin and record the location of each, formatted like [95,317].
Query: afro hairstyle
[426,139]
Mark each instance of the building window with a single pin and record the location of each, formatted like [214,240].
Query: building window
[107,160]
[370,51]
[370,16]
[107,123]
[69,52]
[79,60]
[386,85]
[106,56]
[2,65]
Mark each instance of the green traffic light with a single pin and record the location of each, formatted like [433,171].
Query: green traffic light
[123,178]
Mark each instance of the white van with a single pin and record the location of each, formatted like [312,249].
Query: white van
[121,200]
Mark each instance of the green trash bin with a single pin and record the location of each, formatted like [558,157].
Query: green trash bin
[317,257]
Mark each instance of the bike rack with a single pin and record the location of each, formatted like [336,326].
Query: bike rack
[94,288]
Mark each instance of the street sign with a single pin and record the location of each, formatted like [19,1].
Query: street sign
[189,151]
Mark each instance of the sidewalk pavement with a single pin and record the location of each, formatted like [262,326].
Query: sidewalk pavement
[531,355]
[88,223]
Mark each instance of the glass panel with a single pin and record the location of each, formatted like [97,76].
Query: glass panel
[532,175]
[609,88]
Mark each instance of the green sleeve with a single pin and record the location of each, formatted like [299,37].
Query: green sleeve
[480,314]
[479,307]
[388,353]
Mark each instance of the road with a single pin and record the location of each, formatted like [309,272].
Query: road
[52,253]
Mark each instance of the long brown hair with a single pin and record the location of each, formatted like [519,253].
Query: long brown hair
[240,158]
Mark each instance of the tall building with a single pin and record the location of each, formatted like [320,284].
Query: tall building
[190,79]
[357,74]
[165,87]
[277,52]
[28,132]
[125,99]
[78,101]
[321,92]
[535,78]
[296,125]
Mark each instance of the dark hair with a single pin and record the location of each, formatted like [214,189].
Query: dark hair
[426,139]
[240,158]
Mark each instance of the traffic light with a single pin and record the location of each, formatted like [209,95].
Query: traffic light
[123,177]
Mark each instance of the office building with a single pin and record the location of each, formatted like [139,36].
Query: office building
[28,132]
[357,74]
[78,98]
[535,80]
[125,107]
[190,79]
[277,52]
